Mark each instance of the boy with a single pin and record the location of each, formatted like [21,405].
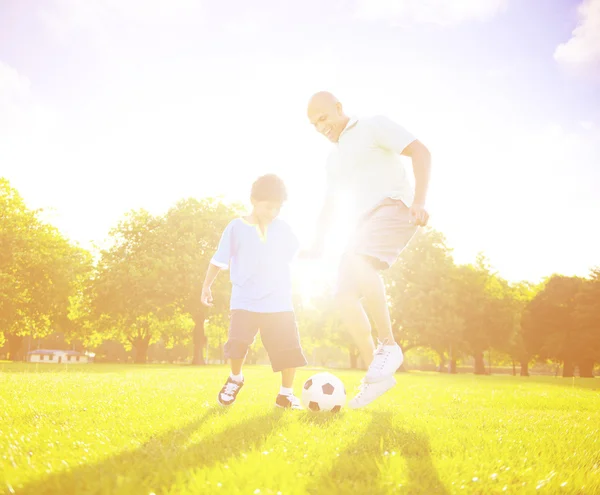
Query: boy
[259,249]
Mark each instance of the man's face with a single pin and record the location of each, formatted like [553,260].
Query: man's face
[329,120]
[266,211]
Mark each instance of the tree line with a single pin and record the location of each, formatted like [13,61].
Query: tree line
[143,290]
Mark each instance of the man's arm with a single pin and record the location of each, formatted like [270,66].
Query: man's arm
[324,222]
[421,162]
[323,225]
[396,138]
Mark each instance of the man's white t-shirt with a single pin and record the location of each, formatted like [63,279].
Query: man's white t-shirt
[366,161]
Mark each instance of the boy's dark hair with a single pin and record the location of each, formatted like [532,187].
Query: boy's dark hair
[269,188]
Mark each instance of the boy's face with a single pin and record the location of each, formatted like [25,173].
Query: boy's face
[266,211]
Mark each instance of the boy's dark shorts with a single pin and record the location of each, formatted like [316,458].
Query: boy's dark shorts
[278,332]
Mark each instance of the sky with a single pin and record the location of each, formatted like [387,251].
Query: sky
[113,105]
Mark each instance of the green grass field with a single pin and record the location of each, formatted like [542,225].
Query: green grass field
[157,429]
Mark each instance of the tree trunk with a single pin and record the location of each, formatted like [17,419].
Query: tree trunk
[353,354]
[442,361]
[15,347]
[141,350]
[199,338]
[586,368]
[451,361]
[452,366]
[524,367]
[568,368]
[479,368]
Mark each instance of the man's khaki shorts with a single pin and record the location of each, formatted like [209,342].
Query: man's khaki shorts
[383,233]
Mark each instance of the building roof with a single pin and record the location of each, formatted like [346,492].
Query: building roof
[56,351]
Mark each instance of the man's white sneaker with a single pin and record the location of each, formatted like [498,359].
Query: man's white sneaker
[386,361]
[368,392]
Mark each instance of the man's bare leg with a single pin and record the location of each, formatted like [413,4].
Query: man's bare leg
[356,321]
[352,312]
[373,287]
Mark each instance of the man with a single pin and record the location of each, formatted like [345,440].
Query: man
[387,210]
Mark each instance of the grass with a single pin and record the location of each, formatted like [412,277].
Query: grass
[103,429]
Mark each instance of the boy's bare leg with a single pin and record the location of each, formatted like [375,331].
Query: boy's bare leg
[286,398]
[287,377]
[236,366]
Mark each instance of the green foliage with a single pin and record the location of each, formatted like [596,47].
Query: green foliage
[144,290]
[40,273]
[562,322]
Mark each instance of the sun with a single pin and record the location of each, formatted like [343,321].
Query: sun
[319,276]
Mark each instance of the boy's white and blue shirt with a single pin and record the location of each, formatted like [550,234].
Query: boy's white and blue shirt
[259,265]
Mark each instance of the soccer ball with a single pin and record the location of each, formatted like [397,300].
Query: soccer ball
[323,392]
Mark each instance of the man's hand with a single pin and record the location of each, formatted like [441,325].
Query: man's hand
[206,296]
[419,214]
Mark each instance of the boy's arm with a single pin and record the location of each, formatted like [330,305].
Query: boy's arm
[220,261]
[211,275]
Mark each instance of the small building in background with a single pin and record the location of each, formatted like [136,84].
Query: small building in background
[56,356]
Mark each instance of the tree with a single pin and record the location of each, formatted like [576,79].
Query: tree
[587,322]
[130,300]
[521,294]
[423,298]
[486,306]
[550,323]
[39,272]
[190,236]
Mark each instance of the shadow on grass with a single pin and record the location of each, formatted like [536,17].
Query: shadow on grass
[323,419]
[159,463]
[359,469]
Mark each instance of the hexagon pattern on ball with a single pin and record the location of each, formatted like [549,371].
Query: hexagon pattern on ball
[323,392]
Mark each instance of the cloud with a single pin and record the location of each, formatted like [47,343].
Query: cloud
[440,12]
[581,53]
[108,17]
[15,96]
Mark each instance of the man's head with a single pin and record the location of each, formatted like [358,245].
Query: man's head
[326,114]
[267,196]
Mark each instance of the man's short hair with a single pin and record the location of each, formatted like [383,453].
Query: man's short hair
[269,188]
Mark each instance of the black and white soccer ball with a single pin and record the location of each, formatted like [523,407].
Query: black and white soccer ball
[323,392]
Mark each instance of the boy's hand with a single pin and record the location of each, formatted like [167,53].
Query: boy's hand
[206,296]
[311,253]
